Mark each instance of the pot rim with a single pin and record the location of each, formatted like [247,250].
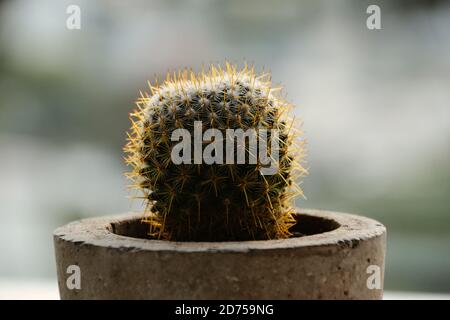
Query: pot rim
[98,232]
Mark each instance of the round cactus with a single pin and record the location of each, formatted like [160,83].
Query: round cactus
[226,198]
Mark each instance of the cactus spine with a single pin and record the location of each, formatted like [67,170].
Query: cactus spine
[219,201]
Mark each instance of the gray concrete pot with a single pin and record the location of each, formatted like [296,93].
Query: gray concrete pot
[336,256]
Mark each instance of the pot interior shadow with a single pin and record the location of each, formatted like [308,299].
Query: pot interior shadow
[306,225]
[309,225]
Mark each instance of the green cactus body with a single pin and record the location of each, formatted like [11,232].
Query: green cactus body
[221,201]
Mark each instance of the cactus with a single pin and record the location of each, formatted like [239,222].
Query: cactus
[220,201]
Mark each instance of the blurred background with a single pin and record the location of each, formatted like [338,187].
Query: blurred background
[375,106]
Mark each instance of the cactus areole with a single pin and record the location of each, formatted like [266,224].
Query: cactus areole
[216,156]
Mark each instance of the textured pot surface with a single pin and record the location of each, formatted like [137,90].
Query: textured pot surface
[338,256]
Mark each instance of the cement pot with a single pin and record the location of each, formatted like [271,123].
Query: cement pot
[335,256]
